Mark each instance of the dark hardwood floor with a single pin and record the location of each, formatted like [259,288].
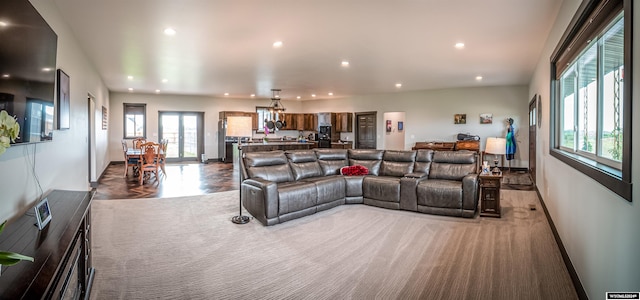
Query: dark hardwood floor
[188,179]
[182,179]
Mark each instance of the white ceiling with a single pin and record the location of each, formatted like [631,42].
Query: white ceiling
[226,46]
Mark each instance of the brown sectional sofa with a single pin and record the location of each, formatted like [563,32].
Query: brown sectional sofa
[279,186]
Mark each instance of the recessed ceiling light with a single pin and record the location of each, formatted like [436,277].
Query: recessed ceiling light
[3,24]
[313,95]
[277,44]
[398,85]
[459,45]
[157,91]
[345,63]
[130,89]
[330,94]
[226,94]
[479,78]
[164,80]
[46,69]
[253,95]
[130,77]
[298,97]
[169,31]
[6,75]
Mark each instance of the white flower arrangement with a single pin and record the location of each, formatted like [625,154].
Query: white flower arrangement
[9,130]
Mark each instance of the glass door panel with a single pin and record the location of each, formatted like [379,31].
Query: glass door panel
[190,127]
[171,132]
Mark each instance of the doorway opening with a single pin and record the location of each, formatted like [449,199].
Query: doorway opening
[534,119]
[91,149]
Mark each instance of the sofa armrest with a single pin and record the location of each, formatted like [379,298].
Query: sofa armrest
[260,198]
[470,192]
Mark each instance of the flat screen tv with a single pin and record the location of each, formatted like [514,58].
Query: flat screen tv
[27,69]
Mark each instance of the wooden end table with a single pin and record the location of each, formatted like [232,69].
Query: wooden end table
[490,195]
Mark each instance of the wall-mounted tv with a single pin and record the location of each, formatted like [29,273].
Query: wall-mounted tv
[27,69]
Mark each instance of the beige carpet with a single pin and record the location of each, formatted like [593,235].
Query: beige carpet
[187,248]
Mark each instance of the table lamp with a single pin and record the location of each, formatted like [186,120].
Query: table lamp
[239,127]
[497,147]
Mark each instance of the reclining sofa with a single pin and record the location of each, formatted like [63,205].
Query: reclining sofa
[278,186]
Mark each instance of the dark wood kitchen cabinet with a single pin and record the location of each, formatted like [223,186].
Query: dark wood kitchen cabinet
[310,122]
[344,122]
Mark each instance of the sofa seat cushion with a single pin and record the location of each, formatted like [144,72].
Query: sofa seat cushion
[440,193]
[329,188]
[354,185]
[295,196]
[385,188]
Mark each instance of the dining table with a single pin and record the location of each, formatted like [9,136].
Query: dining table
[136,153]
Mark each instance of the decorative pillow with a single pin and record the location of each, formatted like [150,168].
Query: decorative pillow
[354,170]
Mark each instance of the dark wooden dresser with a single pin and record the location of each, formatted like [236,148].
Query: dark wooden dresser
[439,146]
[62,267]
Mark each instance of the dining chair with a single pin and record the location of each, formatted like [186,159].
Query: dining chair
[129,160]
[163,155]
[149,161]
[137,143]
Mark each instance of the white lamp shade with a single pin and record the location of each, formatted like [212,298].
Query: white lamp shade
[239,126]
[496,146]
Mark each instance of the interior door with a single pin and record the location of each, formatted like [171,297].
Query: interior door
[365,130]
[183,130]
[533,122]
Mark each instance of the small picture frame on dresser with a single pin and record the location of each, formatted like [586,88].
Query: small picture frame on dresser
[43,213]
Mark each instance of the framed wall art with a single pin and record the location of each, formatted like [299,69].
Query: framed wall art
[388,125]
[400,125]
[105,118]
[64,100]
[539,111]
[460,119]
[486,118]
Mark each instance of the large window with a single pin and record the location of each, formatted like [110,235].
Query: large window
[135,120]
[590,109]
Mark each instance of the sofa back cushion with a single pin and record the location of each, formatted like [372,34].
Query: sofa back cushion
[452,165]
[303,164]
[268,165]
[332,160]
[423,161]
[369,158]
[397,163]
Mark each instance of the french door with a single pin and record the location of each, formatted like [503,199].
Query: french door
[184,131]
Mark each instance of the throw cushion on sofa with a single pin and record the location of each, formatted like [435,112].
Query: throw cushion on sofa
[354,170]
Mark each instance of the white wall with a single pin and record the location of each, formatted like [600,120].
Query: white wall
[429,114]
[601,231]
[63,162]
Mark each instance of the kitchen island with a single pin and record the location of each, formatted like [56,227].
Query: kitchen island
[271,146]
